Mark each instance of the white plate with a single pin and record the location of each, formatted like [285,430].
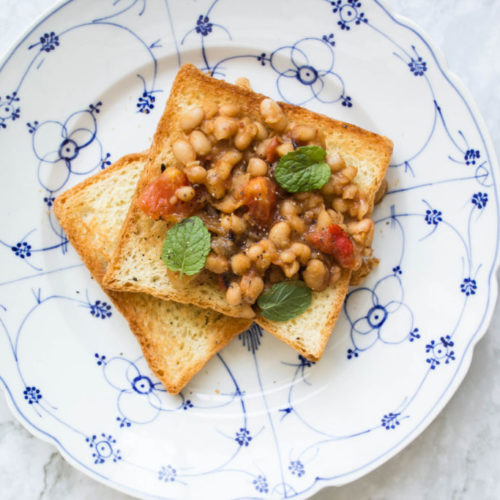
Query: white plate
[86,85]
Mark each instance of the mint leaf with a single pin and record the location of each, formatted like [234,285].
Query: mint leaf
[186,246]
[285,300]
[302,170]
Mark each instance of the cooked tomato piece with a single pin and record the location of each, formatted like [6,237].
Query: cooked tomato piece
[222,281]
[259,196]
[271,154]
[333,240]
[158,198]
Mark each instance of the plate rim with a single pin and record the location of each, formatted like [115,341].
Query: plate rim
[462,369]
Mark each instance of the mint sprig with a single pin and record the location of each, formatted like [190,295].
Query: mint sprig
[285,300]
[186,246]
[303,169]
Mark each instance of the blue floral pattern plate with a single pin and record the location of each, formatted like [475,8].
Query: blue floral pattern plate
[86,85]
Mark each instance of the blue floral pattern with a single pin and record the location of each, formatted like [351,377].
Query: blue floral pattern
[146,102]
[433,217]
[123,422]
[417,65]
[390,421]
[440,351]
[32,395]
[101,359]
[9,110]
[100,309]
[480,200]
[414,335]
[140,396]
[49,42]
[260,484]
[49,200]
[304,69]
[103,448]
[243,437]
[203,25]
[167,474]
[59,147]
[468,286]
[187,404]
[296,467]
[349,13]
[471,155]
[22,249]
[373,314]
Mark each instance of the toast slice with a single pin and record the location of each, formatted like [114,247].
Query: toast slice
[136,264]
[177,340]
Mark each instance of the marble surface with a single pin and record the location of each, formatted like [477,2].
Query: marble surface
[457,457]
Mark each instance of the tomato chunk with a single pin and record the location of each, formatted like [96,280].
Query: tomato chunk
[259,196]
[334,241]
[158,198]
[271,154]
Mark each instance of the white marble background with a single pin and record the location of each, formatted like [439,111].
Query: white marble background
[458,456]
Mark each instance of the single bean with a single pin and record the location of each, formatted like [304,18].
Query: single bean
[291,270]
[340,205]
[245,135]
[229,110]
[350,172]
[238,224]
[183,151]
[192,119]
[216,263]
[214,184]
[280,234]
[336,273]
[297,224]
[196,173]
[261,131]
[233,294]
[285,148]
[303,133]
[200,142]
[210,108]
[243,83]
[273,115]
[185,193]
[335,161]
[240,263]
[251,287]
[287,256]
[257,167]
[288,207]
[324,220]
[316,275]
[302,251]
[255,252]
[225,127]
[350,192]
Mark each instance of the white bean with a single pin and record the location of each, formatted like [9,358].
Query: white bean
[191,119]
[200,142]
[184,152]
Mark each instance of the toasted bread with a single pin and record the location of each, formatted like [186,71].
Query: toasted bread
[176,339]
[137,254]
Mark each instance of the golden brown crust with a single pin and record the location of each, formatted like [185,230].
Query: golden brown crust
[136,307]
[355,144]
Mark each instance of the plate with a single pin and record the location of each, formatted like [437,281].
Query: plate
[86,85]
